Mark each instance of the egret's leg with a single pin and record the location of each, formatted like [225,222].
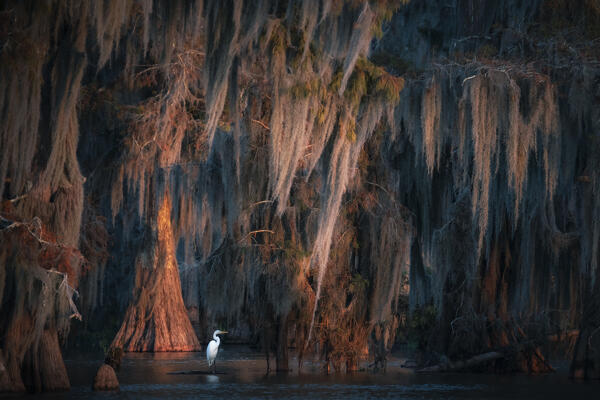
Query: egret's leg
[215,367]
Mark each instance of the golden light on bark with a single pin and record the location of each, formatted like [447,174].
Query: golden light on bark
[157,319]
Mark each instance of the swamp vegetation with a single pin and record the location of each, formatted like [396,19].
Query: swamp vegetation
[333,177]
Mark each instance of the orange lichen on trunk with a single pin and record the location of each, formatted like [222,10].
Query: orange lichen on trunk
[156,319]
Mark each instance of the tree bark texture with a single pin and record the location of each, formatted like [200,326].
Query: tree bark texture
[156,319]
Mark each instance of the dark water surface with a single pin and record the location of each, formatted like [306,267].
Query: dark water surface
[241,374]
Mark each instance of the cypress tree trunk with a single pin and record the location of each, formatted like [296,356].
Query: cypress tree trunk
[45,366]
[586,357]
[156,319]
[281,356]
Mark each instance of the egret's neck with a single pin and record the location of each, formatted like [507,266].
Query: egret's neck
[217,339]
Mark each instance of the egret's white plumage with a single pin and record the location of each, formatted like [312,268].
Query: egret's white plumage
[213,348]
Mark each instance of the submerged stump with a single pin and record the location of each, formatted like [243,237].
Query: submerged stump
[106,379]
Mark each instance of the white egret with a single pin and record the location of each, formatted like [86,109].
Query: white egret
[212,349]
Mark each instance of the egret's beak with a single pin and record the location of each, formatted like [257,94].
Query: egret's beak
[224,332]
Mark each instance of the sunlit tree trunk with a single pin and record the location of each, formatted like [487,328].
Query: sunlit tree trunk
[156,319]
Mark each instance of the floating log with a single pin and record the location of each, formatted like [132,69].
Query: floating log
[458,365]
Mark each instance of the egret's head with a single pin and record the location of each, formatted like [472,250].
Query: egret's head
[219,332]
